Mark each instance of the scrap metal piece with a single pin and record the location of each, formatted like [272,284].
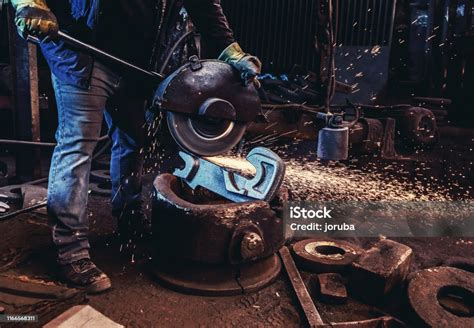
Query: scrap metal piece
[331,287]
[380,269]
[311,313]
[321,256]
[443,297]
[264,185]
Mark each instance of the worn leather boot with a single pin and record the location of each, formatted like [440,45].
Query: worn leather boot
[83,274]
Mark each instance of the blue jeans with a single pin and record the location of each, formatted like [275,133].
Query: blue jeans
[80,113]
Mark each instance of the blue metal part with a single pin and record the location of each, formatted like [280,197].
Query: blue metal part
[270,172]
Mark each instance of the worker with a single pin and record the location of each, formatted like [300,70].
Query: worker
[88,89]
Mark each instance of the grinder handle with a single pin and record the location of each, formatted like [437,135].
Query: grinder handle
[99,53]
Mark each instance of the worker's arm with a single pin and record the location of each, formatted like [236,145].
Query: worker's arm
[34,17]
[209,18]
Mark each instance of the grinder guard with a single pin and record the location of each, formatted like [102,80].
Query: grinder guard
[188,88]
[208,106]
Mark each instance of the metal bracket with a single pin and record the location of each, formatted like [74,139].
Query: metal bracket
[195,63]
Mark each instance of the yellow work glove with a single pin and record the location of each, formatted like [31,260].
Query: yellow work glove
[35,18]
[249,66]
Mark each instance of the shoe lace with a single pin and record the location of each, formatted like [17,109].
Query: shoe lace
[84,264]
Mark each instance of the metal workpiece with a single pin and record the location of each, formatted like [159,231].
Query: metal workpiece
[270,172]
[198,225]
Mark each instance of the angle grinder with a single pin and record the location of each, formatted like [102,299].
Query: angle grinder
[207,104]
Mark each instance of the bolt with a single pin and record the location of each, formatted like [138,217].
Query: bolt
[251,245]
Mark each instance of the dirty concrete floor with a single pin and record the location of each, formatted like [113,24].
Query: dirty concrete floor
[138,300]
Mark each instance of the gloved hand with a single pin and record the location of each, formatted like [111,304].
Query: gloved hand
[249,66]
[35,18]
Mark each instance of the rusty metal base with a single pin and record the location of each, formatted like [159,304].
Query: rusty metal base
[217,280]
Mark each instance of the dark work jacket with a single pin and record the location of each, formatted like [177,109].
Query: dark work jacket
[81,18]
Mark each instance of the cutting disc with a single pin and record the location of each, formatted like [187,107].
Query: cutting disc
[208,106]
[205,136]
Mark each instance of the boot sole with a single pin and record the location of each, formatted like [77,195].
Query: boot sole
[96,287]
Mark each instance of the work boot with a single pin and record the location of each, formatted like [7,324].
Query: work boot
[83,274]
[134,226]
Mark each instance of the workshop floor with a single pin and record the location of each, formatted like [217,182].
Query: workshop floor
[137,300]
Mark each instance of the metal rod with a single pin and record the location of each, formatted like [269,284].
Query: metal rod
[392,23]
[37,143]
[23,210]
[99,53]
[309,309]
